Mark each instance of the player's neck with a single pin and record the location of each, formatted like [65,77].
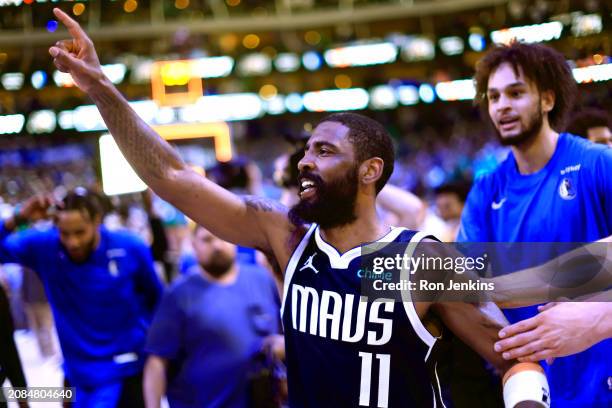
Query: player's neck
[532,156]
[366,228]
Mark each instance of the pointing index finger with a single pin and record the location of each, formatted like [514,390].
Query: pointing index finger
[73,27]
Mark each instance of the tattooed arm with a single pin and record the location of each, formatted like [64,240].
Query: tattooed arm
[253,222]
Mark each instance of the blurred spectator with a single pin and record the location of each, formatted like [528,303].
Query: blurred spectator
[450,199]
[102,289]
[209,328]
[285,174]
[240,175]
[592,124]
[285,177]
[29,168]
[159,239]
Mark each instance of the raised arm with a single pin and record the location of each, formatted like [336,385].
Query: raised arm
[20,247]
[249,222]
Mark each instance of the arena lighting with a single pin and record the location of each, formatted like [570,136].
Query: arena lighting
[213,67]
[312,60]
[248,106]
[4,3]
[287,62]
[216,108]
[588,24]
[361,55]
[147,110]
[173,83]
[11,124]
[118,177]
[141,71]
[165,116]
[12,81]
[51,26]
[408,94]
[176,73]
[332,100]
[62,79]
[451,45]
[87,118]
[427,93]
[38,79]
[529,34]
[459,90]
[65,120]
[255,64]
[383,97]
[593,73]
[294,103]
[114,72]
[275,105]
[477,42]
[42,121]
[418,49]
[219,131]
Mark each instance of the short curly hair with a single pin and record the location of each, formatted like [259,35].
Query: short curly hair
[369,139]
[542,65]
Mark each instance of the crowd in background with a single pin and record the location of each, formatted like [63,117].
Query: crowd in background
[437,163]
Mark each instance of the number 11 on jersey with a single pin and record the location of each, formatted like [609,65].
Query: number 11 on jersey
[366,379]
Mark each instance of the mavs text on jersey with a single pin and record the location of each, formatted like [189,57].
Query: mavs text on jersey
[345,350]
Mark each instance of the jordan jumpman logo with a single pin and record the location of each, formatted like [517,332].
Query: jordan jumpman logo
[308,264]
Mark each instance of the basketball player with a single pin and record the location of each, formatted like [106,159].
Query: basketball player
[552,188]
[102,288]
[341,351]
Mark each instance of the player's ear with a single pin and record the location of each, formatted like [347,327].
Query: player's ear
[547,101]
[371,170]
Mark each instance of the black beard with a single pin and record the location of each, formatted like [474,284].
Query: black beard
[91,246]
[218,265]
[533,128]
[333,204]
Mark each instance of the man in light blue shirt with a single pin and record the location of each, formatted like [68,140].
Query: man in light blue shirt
[208,329]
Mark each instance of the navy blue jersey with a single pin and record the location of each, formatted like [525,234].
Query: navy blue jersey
[344,350]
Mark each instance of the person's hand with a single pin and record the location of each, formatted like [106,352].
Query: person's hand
[76,56]
[560,329]
[35,208]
